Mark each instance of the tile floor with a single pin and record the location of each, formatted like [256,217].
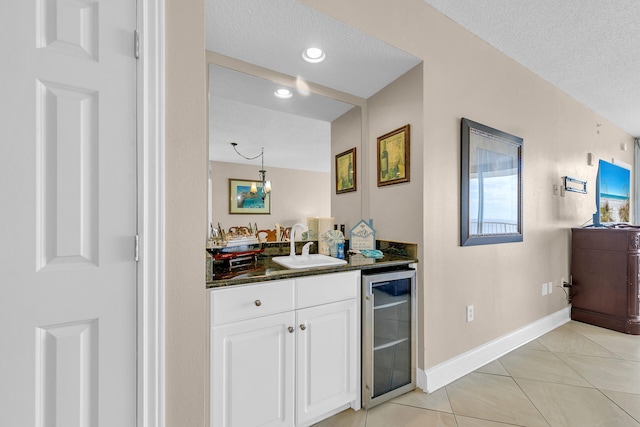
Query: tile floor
[576,375]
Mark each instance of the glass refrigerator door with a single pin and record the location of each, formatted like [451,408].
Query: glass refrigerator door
[392,363]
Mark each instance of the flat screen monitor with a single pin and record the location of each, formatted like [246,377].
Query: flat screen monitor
[613,194]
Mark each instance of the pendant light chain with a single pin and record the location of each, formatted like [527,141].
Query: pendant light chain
[266,185]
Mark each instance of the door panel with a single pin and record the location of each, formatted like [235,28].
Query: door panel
[67,374]
[68,221]
[67,176]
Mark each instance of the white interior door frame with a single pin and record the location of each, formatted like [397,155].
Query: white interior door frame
[151,214]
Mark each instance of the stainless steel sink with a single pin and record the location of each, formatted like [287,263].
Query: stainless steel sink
[308,261]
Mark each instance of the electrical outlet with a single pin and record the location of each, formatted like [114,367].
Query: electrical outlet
[550,287]
[544,289]
[469,313]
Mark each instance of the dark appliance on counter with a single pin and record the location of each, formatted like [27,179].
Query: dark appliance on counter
[388,334]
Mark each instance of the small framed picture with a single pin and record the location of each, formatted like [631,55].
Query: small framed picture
[393,156]
[346,174]
[243,201]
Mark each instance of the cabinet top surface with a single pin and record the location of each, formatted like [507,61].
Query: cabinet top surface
[265,269]
[619,228]
[622,239]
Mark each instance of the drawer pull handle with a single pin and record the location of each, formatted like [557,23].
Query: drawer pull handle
[303,326]
[290,328]
[258,303]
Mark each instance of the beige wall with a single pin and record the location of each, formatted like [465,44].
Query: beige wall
[392,107]
[296,195]
[397,209]
[346,133]
[465,77]
[185,233]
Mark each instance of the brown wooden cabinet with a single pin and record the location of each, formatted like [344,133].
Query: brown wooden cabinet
[604,269]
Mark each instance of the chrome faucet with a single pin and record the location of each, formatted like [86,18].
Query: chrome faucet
[292,237]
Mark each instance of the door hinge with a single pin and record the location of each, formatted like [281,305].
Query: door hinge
[136,44]
[136,250]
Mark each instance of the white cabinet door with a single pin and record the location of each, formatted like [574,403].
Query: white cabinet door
[252,368]
[327,356]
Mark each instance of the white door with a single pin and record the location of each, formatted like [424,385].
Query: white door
[67,213]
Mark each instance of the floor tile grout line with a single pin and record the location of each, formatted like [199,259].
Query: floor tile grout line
[580,375]
[420,407]
[543,381]
[566,359]
[620,357]
[600,345]
[585,337]
[530,401]
[486,419]
[495,421]
[553,382]
[574,370]
[539,342]
[616,403]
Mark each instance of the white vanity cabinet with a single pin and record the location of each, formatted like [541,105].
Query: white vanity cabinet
[285,353]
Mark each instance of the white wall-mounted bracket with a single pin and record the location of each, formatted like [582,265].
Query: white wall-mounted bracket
[574,185]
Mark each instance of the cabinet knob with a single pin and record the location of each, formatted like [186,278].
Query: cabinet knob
[303,326]
[290,328]
[258,303]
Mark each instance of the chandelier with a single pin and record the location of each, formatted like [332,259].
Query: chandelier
[266,185]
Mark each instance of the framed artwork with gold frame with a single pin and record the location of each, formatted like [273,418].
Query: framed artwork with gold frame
[346,175]
[393,156]
[242,201]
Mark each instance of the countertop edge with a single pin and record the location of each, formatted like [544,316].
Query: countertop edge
[281,273]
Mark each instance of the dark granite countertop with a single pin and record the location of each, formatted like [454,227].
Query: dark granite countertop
[396,254]
[265,269]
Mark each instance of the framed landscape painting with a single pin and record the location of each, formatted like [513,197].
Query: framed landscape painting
[346,175]
[243,201]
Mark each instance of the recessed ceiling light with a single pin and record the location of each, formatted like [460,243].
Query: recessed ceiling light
[283,93]
[313,55]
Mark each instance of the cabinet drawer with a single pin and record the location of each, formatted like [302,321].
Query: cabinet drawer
[250,301]
[326,288]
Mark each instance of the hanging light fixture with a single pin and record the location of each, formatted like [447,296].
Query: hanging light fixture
[266,185]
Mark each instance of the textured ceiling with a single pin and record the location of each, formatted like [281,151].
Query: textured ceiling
[242,109]
[272,34]
[590,49]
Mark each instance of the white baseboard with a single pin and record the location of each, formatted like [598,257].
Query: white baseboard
[446,372]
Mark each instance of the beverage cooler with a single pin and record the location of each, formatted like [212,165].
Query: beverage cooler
[388,334]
